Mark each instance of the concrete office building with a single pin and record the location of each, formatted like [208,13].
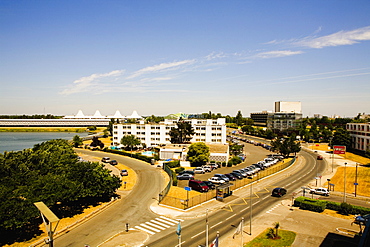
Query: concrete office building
[155,134]
[287,115]
[360,134]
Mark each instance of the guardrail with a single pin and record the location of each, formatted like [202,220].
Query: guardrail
[164,192]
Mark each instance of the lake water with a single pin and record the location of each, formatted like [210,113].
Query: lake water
[15,141]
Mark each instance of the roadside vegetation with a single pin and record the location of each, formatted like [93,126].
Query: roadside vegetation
[268,238]
[52,173]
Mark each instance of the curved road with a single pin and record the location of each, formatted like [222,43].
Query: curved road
[132,209]
[224,221]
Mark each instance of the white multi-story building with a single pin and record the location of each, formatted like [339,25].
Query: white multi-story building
[360,133]
[154,134]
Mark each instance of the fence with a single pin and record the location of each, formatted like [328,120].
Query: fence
[164,192]
[185,203]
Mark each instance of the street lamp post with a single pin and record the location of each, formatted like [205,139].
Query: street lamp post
[356,181]
[345,167]
[250,207]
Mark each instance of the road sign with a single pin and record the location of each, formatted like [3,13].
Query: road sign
[187,188]
[355,183]
[339,149]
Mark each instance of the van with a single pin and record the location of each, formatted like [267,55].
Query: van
[198,185]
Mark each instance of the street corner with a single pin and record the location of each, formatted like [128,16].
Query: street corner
[165,211]
[132,238]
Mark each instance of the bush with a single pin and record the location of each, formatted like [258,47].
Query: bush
[333,205]
[360,210]
[345,208]
[174,179]
[180,169]
[318,206]
[173,164]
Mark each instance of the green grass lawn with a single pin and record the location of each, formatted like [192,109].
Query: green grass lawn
[286,239]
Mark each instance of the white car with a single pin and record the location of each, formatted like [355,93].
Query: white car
[320,191]
[216,180]
[199,170]
[207,168]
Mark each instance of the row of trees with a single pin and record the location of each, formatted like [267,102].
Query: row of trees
[50,172]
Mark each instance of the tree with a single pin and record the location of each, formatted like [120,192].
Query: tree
[130,141]
[96,142]
[49,172]
[341,137]
[183,133]
[239,119]
[286,146]
[198,154]
[77,141]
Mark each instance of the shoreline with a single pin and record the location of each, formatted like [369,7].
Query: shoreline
[47,129]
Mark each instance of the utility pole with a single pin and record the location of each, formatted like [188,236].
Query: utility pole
[345,167]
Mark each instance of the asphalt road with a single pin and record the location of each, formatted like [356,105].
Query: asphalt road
[225,221]
[133,209]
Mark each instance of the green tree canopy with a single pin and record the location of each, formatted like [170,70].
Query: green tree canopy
[183,133]
[198,154]
[286,146]
[130,141]
[341,137]
[77,141]
[49,172]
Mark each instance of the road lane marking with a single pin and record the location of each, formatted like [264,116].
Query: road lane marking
[160,223]
[145,230]
[202,232]
[230,217]
[216,224]
[149,227]
[167,222]
[154,225]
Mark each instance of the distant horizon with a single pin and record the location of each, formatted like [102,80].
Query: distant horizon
[148,115]
[184,56]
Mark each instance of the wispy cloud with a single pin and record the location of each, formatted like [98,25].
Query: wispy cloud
[160,67]
[85,83]
[274,54]
[336,39]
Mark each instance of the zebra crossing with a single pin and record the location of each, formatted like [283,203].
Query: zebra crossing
[157,225]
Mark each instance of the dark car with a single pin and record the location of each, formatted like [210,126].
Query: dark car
[319,157]
[187,172]
[185,176]
[210,185]
[278,192]
[237,175]
[113,162]
[230,176]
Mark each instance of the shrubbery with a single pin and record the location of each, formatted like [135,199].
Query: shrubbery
[321,205]
[124,153]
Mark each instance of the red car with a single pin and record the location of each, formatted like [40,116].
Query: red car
[319,157]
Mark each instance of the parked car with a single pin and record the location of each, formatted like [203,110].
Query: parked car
[187,171]
[105,159]
[237,175]
[278,192]
[210,185]
[198,185]
[113,162]
[124,172]
[241,173]
[185,176]
[199,170]
[214,166]
[230,176]
[216,180]
[207,168]
[320,191]
[222,176]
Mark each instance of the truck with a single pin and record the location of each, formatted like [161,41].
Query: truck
[320,191]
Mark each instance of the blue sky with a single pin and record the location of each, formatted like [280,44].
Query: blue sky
[162,57]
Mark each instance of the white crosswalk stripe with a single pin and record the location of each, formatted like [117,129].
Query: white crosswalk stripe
[157,225]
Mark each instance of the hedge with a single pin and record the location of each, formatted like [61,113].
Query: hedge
[320,205]
[135,155]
